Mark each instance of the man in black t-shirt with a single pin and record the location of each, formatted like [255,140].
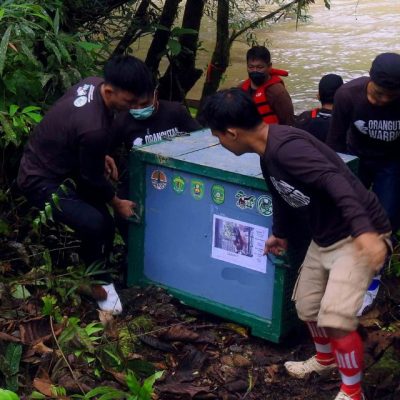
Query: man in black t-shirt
[150,121]
[69,146]
[348,226]
[366,123]
[317,121]
[153,121]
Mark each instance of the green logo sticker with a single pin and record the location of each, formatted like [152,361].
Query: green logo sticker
[178,184]
[197,189]
[264,205]
[218,194]
[244,201]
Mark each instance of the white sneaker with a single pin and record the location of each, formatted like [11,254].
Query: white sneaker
[303,369]
[112,303]
[343,396]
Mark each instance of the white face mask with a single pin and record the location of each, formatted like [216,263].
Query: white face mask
[142,113]
[145,112]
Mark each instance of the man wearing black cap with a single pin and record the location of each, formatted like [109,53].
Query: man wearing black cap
[366,123]
[317,121]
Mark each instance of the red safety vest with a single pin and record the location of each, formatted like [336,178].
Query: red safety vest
[260,95]
[314,112]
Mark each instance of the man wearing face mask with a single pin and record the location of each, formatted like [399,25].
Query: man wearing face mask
[151,120]
[267,89]
[148,122]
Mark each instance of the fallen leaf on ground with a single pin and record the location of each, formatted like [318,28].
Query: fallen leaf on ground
[271,375]
[180,333]
[9,338]
[41,348]
[182,388]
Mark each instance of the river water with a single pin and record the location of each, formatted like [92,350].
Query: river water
[342,40]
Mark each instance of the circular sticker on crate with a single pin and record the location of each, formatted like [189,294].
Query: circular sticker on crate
[218,194]
[178,184]
[197,189]
[264,205]
[159,179]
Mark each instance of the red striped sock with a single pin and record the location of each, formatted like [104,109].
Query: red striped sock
[322,344]
[349,354]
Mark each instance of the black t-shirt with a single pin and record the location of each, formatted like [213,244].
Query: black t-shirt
[318,126]
[304,174]
[358,127]
[169,118]
[71,142]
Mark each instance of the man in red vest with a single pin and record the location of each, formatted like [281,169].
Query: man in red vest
[267,88]
[318,120]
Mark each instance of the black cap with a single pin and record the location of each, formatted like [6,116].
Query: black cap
[385,71]
[327,87]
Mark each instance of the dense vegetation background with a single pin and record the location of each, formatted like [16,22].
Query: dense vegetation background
[53,345]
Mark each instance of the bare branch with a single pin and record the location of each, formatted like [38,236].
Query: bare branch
[254,24]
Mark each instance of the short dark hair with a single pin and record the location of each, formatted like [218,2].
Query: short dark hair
[327,87]
[131,74]
[258,53]
[385,71]
[230,108]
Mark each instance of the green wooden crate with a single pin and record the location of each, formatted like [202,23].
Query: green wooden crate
[192,196]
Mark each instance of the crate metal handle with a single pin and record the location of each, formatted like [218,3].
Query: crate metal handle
[135,219]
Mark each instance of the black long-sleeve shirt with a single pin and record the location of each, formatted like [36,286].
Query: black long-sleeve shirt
[361,128]
[71,142]
[305,175]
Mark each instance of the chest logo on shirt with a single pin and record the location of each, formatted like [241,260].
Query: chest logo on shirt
[156,137]
[291,195]
[384,130]
[80,101]
[85,95]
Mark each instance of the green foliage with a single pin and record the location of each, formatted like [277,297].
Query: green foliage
[37,395]
[142,392]
[61,286]
[38,61]
[137,391]
[8,395]
[50,307]
[58,391]
[9,365]
[80,340]
[17,123]
[394,268]
[46,215]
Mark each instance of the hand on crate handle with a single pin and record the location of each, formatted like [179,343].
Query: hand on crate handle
[125,208]
[275,245]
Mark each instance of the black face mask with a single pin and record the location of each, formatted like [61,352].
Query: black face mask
[257,77]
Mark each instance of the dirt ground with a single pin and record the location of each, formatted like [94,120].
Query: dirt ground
[209,358]
[202,356]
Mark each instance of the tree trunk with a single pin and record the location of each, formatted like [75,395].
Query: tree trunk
[79,13]
[220,58]
[158,46]
[139,21]
[182,74]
